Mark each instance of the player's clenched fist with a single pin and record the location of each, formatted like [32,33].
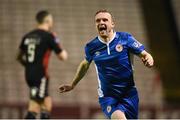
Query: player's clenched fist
[65,88]
[147,59]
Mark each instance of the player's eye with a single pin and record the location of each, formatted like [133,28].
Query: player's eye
[104,20]
[98,20]
[101,20]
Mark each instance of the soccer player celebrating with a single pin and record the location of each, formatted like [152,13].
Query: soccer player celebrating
[110,51]
[34,54]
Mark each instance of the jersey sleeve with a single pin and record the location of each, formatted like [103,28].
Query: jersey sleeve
[134,46]
[88,56]
[55,44]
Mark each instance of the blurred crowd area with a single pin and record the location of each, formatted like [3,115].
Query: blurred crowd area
[74,25]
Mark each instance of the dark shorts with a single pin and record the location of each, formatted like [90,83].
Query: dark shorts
[127,104]
[38,89]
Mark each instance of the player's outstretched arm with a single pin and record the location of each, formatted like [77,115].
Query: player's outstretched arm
[81,71]
[147,59]
[20,58]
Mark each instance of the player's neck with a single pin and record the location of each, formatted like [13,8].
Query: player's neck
[43,27]
[109,37]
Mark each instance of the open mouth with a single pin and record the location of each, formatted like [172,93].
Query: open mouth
[102,27]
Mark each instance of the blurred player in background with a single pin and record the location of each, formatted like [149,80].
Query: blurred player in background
[110,51]
[34,54]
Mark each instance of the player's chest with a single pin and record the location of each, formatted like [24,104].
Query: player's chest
[114,50]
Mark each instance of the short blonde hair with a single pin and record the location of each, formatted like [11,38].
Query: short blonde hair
[104,11]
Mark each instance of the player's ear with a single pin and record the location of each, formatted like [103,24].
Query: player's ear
[47,19]
[113,24]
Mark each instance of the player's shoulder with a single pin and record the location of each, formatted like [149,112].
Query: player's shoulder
[123,35]
[92,42]
[40,32]
[45,33]
[28,34]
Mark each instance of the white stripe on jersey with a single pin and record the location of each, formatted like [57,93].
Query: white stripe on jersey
[100,92]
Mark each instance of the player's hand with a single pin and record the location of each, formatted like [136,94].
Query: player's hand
[148,60]
[65,88]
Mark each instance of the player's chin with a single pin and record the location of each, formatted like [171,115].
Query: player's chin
[103,34]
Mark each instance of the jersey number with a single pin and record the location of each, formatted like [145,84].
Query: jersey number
[31,52]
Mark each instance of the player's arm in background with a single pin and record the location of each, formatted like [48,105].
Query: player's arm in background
[81,71]
[21,57]
[62,55]
[56,46]
[138,49]
[21,54]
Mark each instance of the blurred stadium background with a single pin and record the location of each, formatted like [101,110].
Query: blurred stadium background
[154,23]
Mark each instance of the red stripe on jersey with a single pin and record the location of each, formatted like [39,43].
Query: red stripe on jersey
[46,62]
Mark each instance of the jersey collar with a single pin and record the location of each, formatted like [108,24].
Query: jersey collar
[114,35]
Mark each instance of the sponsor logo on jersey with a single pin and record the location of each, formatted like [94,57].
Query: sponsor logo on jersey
[57,40]
[137,44]
[109,108]
[34,91]
[35,41]
[119,47]
[42,87]
[97,53]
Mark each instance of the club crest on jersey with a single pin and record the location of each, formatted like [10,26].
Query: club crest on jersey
[119,47]
[109,108]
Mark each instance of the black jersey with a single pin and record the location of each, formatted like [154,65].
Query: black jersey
[37,46]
